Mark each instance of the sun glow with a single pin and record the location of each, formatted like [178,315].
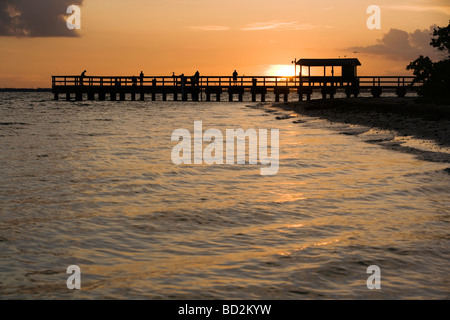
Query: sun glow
[281,70]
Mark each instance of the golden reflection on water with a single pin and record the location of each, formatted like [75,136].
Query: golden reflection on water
[290,197]
[108,198]
[301,248]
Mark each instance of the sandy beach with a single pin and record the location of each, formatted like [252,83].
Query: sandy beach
[403,124]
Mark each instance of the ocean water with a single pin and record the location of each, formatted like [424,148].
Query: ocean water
[92,184]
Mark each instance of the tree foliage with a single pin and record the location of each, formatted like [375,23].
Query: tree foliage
[442,40]
[434,75]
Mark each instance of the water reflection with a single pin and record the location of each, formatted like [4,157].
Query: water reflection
[93,184]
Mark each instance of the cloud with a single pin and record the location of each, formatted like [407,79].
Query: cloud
[439,6]
[32,18]
[401,45]
[258,26]
[277,26]
[443,9]
[421,39]
[209,28]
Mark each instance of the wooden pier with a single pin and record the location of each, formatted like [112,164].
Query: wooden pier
[178,88]
[338,74]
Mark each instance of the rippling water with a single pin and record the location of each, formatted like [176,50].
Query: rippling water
[92,184]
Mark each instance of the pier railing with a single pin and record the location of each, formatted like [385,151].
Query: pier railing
[224,81]
[184,85]
[202,81]
[386,81]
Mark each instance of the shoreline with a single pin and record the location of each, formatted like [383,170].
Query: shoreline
[402,124]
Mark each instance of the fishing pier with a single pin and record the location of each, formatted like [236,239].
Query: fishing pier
[335,74]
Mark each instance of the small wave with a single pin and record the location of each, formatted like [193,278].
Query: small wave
[13,124]
[99,134]
[286,116]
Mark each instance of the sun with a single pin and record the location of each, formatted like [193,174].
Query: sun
[281,70]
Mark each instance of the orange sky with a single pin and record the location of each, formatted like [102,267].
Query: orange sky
[216,37]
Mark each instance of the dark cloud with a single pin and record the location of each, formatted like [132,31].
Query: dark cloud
[401,45]
[35,18]
[421,38]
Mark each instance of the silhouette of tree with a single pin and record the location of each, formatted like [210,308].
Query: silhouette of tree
[422,68]
[442,42]
[435,75]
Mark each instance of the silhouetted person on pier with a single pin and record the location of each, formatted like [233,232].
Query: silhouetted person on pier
[196,78]
[134,80]
[174,79]
[83,75]
[141,78]
[235,76]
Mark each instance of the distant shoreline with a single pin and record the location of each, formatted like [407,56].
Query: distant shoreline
[410,125]
[25,90]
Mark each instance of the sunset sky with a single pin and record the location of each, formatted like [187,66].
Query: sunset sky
[256,37]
